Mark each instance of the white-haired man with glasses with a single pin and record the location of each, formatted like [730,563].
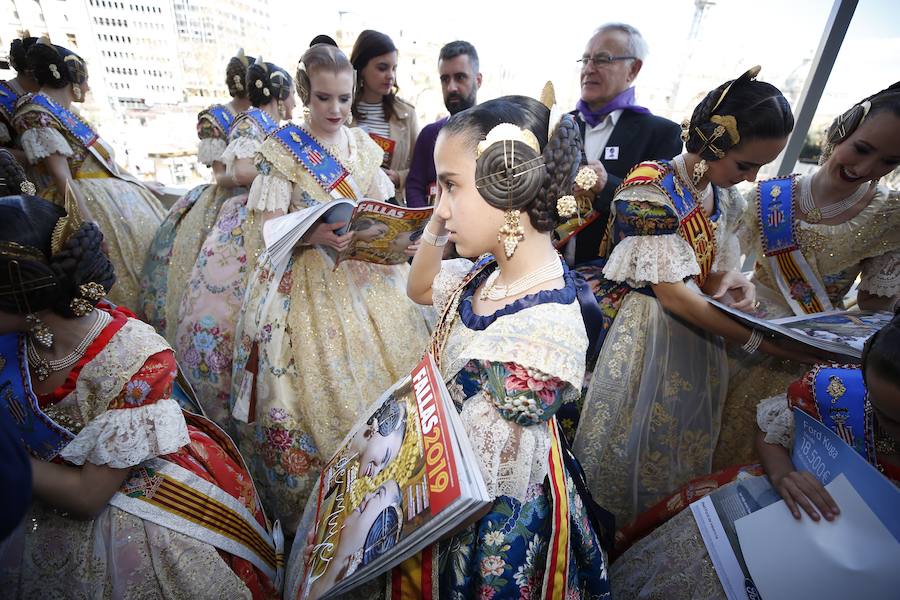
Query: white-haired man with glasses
[617,133]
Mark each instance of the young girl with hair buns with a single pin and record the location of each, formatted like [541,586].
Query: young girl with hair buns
[209,266]
[133,498]
[511,344]
[653,409]
[316,345]
[70,154]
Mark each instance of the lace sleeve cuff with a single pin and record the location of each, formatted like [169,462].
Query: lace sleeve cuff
[239,148]
[881,275]
[210,150]
[270,193]
[775,419]
[447,280]
[125,437]
[40,142]
[644,259]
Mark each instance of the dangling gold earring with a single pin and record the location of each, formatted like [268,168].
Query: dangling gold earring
[511,233]
[700,170]
[39,331]
[76,92]
[685,130]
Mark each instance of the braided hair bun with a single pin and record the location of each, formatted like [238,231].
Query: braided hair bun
[31,278]
[510,174]
[236,74]
[55,66]
[18,53]
[267,82]
[881,352]
[758,108]
[12,175]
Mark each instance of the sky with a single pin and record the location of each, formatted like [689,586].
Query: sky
[521,48]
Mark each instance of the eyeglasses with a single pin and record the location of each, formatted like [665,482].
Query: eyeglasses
[602,60]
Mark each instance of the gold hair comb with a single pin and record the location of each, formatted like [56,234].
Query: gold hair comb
[66,225]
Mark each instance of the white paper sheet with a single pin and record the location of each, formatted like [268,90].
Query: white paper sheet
[855,556]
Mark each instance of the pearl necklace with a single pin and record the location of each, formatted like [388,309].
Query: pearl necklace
[43,368]
[498,291]
[814,214]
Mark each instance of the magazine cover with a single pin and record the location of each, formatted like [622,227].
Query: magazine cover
[836,335]
[386,144]
[382,232]
[402,479]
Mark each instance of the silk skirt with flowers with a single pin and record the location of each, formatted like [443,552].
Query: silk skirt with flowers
[208,312]
[329,343]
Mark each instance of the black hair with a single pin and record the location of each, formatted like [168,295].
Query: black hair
[18,53]
[759,109]
[31,277]
[882,351]
[236,75]
[534,190]
[370,44]
[319,56]
[323,39]
[55,66]
[459,48]
[12,176]
[267,82]
[383,534]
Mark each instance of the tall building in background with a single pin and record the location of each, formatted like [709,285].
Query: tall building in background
[209,33]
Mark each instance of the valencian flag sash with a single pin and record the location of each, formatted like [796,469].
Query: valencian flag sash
[85,134]
[842,402]
[801,288]
[693,224]
[8,99]
[157,490]
[222,116]
[328,172]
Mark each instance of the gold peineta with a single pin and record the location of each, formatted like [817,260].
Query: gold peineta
[67,224]
[548,95]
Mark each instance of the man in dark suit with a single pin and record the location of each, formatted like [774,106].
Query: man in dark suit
[617,133]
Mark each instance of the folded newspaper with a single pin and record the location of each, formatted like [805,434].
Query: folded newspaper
[404,478]
[382,231]
[840,334]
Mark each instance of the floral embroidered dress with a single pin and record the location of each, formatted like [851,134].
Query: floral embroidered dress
[508,373]
[672,562]
[117,402]
[865,247]
[127,212]
[324,342]
[176,245]
[212,283]
[652,411]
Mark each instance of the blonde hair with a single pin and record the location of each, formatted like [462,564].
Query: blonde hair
[320,57]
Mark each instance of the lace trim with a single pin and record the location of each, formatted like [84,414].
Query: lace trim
[649,259]
[881,275]
[4,134]
[243,147]
[512,457]
[122,438]
[270,193]
[776,420]
[210,150]
[447,280]
[40,142]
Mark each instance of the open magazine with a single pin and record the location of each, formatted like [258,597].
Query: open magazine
[404,477]
[383,231]
[841,334]
[741,537]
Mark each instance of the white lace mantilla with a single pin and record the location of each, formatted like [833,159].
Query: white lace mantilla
[776,419]
[881,275]
[40,142]
[447,280]
[210,150]
[125,437]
